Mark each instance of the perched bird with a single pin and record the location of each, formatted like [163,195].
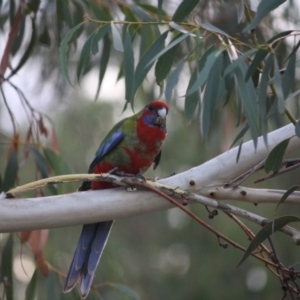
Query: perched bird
[132,146]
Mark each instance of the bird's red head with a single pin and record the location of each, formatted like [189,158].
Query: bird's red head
[154,114]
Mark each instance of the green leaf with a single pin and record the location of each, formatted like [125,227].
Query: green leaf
[63,12]
[241,14]
[44,38]
[19,39]
[131,294]
[221,89]
[6,267]
[173,79]
[278,86]
[166,58]
[56,162]
[101,12]
[263,9]
[84,55]
[290,191]
[31,287]
[266,232]
[289,76]
[210,97]
[159,10]
[239,151]
[279,36]
[259,57]
[52,283]
[129,68]
[12,9]
[78,14]
[99,34]
[275,157]
[192,100]
[40,161]
[154,10]
[64,49]
[28,51]
[34,5]
[180,29]
[143,67]
[205,65]
[146,38]
[294,50]
[117,41]
[240,134]
[11,171]
[103,62]
[248,96]
[236,62]
[262,96]
[213,28]
[141,14]
[292,95]
[184,9]
[297,128]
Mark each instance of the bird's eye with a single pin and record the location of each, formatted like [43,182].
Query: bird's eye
[150,107]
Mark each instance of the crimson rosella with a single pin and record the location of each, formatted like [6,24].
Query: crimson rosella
[131,146]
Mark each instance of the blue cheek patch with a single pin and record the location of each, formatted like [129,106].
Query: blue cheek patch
[149,119]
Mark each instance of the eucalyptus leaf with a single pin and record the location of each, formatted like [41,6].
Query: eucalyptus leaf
[167,50]
[236,62]
[262,95]
[11,171]
[289,76]
[256,62]
[173,79]
[275,157]
[84,55]
[263,9]
[266,232]
[240,135]
[40,161]
[297,128]
[210,97]
[103,62]
[7,267]
[213,28]
[143,67]
[248,97]
[129,68]
[166,58]
[117,41]
[278,86]
[290,191]
[206,62]
[64,49]
[31,287]
[184,9]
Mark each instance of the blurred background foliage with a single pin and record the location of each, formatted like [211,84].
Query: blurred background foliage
[159,256]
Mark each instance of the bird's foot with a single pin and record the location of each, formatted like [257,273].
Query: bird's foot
[116,172]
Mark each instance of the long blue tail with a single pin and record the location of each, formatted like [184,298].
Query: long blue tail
[89,249]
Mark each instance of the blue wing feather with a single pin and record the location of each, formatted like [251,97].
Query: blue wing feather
[106,146]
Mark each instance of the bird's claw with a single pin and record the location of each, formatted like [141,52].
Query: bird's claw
[116,172]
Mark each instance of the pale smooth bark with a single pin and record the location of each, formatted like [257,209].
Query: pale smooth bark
[86,207]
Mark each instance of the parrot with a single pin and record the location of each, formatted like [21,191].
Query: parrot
[131,147]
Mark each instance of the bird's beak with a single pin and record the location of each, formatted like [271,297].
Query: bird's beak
[161,117]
